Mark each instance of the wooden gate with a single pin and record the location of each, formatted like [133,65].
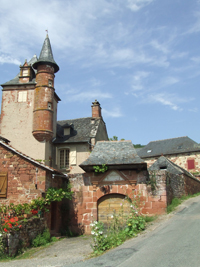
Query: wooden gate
[110,205]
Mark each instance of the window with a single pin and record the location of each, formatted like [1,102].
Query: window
[22,96]
[49,105]
[25,72]
[3,185]
[50,83]
[64,158]
[191,164]
[66,131]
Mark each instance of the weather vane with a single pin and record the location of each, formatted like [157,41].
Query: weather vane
[46,31]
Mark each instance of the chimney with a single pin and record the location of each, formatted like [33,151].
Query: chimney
[96,109]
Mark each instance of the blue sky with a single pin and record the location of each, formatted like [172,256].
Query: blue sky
[139,58]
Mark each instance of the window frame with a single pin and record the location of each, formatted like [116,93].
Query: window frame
[66,157]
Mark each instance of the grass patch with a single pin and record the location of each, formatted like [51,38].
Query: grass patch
[177,201]
[149,219]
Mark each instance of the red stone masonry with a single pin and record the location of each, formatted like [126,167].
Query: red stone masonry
[43,104]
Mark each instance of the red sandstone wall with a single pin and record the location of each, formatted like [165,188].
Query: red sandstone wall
[22,178]
[83,208]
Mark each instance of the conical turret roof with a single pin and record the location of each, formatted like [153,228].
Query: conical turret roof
[46,56]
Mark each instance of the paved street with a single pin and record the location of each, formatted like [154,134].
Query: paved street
[174,243]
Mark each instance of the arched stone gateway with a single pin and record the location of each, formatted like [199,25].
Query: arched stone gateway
[110,205]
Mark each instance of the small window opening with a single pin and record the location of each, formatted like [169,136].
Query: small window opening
[50,83]
[149,151]
[49,105]
[163,167]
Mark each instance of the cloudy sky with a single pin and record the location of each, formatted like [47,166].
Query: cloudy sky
[139,58]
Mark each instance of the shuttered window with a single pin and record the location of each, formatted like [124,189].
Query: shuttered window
[3,184]
[191,164]
[22,96]
[73,156]
[67,157]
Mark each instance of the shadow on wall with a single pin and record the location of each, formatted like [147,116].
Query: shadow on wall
[69,217]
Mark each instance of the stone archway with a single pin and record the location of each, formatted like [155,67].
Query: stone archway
[111,204]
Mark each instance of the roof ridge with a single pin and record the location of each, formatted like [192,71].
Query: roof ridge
[75,119]
[169,139]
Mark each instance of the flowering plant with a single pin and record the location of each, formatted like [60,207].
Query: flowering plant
[9,223]
[100,243]
[34,212]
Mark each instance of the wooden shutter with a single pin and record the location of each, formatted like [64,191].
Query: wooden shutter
[72,156]
[191,164]
[3,184]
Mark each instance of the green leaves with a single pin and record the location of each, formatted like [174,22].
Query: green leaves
[103,168]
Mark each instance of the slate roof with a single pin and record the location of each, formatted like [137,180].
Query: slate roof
[46,55]
[113,153]
[81,130]
[16,79]
[164,163]
[169,146]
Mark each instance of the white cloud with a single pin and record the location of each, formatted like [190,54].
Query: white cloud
[9,59]
[171,100]
[196,26]
[196,59]
[137,80]
[114,113]
[167,81]
[136,5]
[79,96]
[160,47]
[194,110]
[95,82]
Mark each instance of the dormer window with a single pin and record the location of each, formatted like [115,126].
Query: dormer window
[25,72]
[149,151]
[66,131]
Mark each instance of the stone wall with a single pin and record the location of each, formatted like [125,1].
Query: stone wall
[175,185]
[180,160]
[22,178]
[21,238]
[83,209]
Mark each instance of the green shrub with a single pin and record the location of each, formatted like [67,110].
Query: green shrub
[42,239]
[121,226]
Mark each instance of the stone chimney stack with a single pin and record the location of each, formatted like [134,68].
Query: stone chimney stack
[96,109]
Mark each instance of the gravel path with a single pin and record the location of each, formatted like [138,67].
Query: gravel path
[61,253]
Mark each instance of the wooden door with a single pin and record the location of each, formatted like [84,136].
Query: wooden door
[111,205]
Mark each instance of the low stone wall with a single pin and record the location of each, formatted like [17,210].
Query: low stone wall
[176,185]
[22,237]
[192,185]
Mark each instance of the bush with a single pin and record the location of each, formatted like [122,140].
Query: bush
[43,239]
[121,227]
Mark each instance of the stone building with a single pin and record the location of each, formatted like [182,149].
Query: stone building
[183,151]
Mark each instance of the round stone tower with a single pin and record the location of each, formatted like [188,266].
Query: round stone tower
[44,94]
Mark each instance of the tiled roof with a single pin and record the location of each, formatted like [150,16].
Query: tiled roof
[169,146]
[81,130]
[164,163]
[16,79]
[9,147]
[113,153]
